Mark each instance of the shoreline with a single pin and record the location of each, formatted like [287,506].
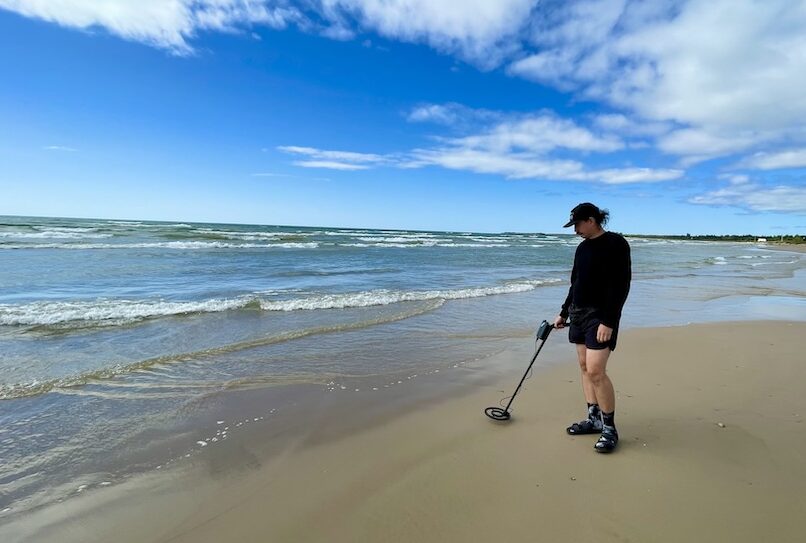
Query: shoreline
[441,471]
[790,247]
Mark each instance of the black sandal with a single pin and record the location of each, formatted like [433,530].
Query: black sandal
[586,426]
[607,441]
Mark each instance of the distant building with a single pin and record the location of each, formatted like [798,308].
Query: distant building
[761,240]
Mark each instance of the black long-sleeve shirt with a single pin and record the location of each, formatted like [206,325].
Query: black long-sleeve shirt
[601,277]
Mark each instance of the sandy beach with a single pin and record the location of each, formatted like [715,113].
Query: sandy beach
[712,440]
[791,247]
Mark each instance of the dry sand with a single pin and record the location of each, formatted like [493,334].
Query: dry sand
[713,448]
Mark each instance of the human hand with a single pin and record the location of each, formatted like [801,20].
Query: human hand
[604,333]
[559,322]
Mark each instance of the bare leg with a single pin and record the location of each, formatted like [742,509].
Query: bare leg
[596,373]
[587,384]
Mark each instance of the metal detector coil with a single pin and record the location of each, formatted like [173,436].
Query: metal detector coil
[503,414]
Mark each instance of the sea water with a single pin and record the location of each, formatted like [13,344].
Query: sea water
[112,329]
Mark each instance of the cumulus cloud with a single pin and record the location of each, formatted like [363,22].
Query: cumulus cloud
[743,193]
[621,124]
[457,117]
[532,166]
[729,72]
[480,31]
[447,114]
[167,24]
[696,79]
[697,145]
[539,133]
[791,158]
[516,147]
[483,32]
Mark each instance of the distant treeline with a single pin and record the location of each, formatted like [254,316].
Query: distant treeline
[790,239]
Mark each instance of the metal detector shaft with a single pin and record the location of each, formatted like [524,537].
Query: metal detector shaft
[542,334]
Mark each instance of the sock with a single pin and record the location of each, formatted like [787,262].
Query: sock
[594,413]
[609,419]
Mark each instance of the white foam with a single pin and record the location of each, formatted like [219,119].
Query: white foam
[421,245]
[57,233]
[472,245]
[402,239]
[386,297]
[111,311]
[490,239]
[180,245]
[251,235]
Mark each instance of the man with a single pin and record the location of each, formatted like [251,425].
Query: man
[600,282]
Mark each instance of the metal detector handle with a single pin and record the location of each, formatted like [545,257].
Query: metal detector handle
[544,330]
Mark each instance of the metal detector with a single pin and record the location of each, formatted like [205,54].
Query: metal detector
[496,413]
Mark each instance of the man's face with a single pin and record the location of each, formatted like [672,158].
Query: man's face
[586,228]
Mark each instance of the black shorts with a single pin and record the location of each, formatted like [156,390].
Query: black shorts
[586,334]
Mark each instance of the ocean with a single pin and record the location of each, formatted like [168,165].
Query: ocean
[113,331]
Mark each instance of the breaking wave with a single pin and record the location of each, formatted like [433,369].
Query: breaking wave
[112,312]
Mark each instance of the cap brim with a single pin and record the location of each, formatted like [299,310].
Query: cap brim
[569,223]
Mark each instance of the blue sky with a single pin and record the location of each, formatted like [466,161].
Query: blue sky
[485,115]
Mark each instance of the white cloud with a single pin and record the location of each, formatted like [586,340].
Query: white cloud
[539,133]
[447,114]
[755,197]
[342,156]
[60,148]
[334,160]
[453,115]
[621,176]
[330,165]
[621,124]
[512,165]
[735,179]
[437,113]
[697,145]
[519,147]
[698,79]
[729,72]
[791,158]
[531,166]
[483,32]
[168,24]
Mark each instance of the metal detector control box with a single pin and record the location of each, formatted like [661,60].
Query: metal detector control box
[544,331]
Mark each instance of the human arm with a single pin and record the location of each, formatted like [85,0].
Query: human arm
[619,274]
[559,321]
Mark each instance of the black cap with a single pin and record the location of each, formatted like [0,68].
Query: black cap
[582,212]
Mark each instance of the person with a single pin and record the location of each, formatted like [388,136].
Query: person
[600,282]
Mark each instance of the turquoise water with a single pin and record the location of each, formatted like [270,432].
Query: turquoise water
[111,329]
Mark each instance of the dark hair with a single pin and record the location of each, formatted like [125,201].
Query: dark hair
[587,210]
[601,219]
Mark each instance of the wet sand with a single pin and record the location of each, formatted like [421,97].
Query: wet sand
[791,247]
[712,449]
